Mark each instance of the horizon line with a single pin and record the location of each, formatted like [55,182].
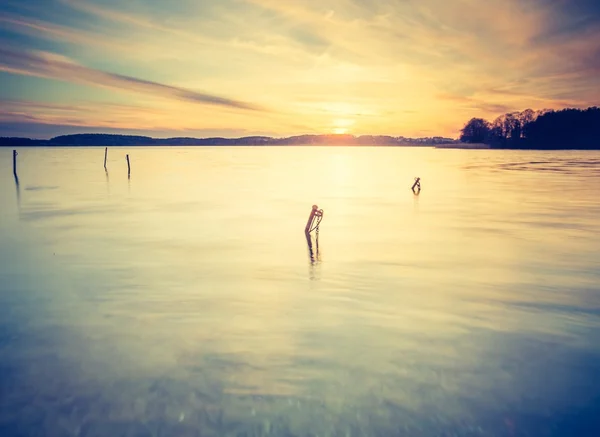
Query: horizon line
[335,135]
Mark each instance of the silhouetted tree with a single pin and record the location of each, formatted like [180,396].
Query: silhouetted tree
[566,129]
[476,130]
[527,116]
[545,129]
[514,126]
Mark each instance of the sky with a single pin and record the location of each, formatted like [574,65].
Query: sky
[236,68]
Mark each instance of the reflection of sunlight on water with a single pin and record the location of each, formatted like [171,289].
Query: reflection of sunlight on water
[182,304]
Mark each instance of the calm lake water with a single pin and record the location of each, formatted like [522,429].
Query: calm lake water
[184,301]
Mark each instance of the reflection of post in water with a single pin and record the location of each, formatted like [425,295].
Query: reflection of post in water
[314,256]
[18,190]
[314,220]
[313,249]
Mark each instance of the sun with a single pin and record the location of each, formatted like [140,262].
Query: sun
[342,125]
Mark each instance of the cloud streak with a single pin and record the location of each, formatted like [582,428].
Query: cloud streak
[49,65]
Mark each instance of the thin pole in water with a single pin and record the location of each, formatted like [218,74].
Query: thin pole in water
[15,163]
[128,167]
[105,153]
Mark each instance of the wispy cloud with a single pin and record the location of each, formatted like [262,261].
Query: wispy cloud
[21,127]
[65,34]
[50,65]
[217,27]
[131,19]
[162,120]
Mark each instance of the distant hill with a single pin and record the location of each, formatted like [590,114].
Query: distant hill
[133,140]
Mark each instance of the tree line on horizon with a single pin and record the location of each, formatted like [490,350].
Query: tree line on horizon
[136,140]
[546,129]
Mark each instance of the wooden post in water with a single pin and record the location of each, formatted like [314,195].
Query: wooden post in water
[105,153]
[317,214]
[416,185]
[15,163]
[128,167]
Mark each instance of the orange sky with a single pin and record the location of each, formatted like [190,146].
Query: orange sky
[246,67]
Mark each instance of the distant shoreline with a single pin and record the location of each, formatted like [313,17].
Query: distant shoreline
[463,146]
[381,141]
[112,140]
[149,146]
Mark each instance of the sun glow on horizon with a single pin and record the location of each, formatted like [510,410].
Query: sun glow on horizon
[342,125]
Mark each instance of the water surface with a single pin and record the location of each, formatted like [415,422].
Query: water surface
[184,301]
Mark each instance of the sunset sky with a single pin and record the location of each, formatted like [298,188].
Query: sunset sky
[282,67]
